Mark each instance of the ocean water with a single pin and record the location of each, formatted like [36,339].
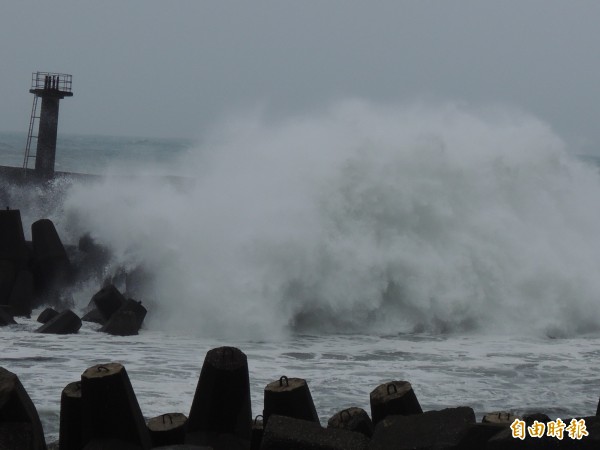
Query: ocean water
[453,247]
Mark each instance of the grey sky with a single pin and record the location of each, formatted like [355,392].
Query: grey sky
[169,69]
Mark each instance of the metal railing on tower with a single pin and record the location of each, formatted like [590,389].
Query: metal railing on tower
[51,87]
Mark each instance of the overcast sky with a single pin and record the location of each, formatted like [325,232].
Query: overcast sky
[170,69]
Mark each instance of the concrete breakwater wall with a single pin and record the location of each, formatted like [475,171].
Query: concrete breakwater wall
[101,411]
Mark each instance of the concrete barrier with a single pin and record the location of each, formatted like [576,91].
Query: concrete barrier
[442,430]
[67,322]
[395,397]
[167,429]
[295,434]
[289,397]
[110,409]
[20,425]
[70,427]
[221,404]
[352,419]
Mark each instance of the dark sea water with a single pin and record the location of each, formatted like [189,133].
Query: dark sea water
[453,249]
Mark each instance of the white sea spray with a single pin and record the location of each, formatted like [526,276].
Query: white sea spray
[362,218]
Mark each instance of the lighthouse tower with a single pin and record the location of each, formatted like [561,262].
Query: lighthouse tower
[51,88]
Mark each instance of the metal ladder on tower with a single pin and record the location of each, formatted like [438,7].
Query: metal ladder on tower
[30,135]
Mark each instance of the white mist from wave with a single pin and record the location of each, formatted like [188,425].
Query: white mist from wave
[363,218]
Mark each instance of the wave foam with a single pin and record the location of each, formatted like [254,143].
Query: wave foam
[363,218]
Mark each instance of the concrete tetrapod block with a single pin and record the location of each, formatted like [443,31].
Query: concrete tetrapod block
[395,397]
[295,434]
[440,430]
[12,238]
[504,440]
[67,322]
[289,397]
[167,429]
[499,418]
[70,428]
[46,241]
[20,425]
[257,433]
[110,444]
[477,435]
[127,321]
[137,308]
[49,255]
[21,296]
[221,403]
[216,441]
[592,441]
[491,424]
[110,409]
[94,316]
[532,417]
[47,315]
[8,276]
[121,323]
[352,419]
[16,435]
[108,300]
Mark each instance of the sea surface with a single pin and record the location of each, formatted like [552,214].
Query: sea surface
[449,248]
[488,373]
